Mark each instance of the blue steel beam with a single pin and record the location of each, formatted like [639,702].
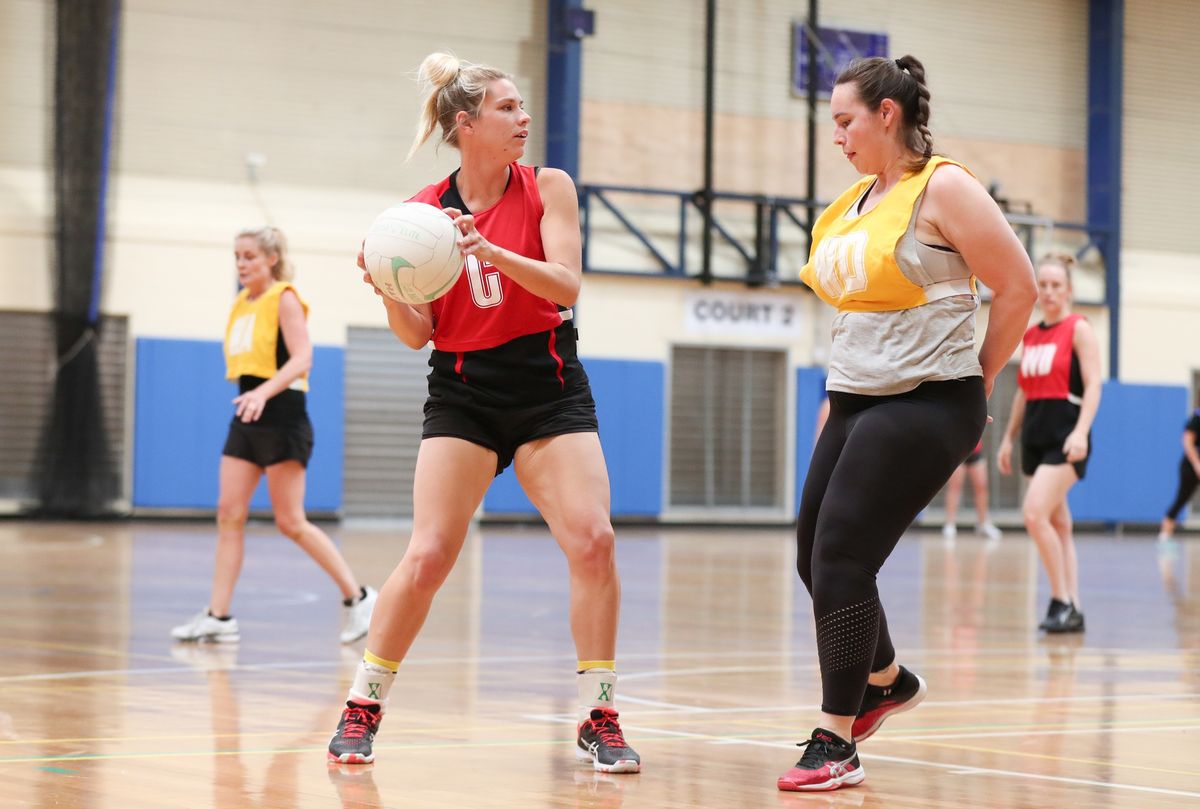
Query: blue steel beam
[1106,56]
[564,83]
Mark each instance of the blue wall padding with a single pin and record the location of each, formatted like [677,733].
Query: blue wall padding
[1136,448]
[810,392]
[182,408]
[629,405]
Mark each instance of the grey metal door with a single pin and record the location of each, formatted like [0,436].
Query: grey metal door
[385,392]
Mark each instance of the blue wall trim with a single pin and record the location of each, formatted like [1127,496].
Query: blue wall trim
[629,398]
[181,415]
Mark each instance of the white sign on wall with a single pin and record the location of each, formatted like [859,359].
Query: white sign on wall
[735,313]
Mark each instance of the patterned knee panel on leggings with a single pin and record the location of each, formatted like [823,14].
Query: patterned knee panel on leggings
[846,637]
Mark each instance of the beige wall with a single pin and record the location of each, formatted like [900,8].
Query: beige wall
[653,54]
[1160,316]
[26,73]
[25,76]
[1162,116]
[1160,260]
[652,318]
[322,90]
[764,155]
[644,83]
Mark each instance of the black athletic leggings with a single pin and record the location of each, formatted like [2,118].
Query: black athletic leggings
[878,462]
[1187,487]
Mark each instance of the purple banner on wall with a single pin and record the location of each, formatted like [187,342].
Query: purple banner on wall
[838,48]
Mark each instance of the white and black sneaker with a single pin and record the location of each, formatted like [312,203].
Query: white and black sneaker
[204,627]
[358,616]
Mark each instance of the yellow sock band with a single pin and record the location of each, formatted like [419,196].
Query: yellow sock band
[375,660]
[584,665]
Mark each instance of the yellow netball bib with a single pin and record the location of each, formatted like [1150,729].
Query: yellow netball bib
[852,264]
[252,335]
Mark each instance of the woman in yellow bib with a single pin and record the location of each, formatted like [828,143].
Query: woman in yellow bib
[897,254]
[267,350]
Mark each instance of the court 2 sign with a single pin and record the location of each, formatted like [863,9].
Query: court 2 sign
[733,313]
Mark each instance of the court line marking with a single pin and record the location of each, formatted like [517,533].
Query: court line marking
[658,732]
[323,732]
[1061,779]
[983,731]
[672,707]
[436,661]
[1140,727]
[958,769]
[1071,759]
[934,734]
[294,750]
[1168,666]
[1028,730]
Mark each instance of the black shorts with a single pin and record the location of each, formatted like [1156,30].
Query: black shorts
[1039,454]
[974,457]
[283,433]
[500,398]
[1047,424]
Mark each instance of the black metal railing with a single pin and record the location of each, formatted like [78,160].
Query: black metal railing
[759,252]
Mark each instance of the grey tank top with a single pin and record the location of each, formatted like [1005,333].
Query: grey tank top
[885,353]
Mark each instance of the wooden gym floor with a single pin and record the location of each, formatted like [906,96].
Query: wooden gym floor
[718,676]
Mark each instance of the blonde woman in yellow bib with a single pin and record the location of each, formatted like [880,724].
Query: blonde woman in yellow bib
[268,352]
[897,254]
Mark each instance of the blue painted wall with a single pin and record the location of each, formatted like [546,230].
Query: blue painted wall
[1135,448]
[181,415]
[630,397]
[810,392]
[182,410]
[1133,471]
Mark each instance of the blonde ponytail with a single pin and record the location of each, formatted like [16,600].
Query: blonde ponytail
[449,86]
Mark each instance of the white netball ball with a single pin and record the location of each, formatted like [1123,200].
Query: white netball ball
[411,252]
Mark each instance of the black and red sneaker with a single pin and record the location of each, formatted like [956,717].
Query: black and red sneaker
[601,741]
[829,762]
[880,702]
[351,742]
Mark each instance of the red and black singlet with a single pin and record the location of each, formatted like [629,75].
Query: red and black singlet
[1051,380]
[486,308]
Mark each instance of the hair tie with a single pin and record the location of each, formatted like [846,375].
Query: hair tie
[900,65]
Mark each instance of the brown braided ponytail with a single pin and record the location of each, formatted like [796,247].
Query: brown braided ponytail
[903,81]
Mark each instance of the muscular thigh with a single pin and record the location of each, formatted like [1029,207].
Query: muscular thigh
[450,479]
[566,478]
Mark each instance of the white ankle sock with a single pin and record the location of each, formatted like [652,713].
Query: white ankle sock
[371,684]
[597,689]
